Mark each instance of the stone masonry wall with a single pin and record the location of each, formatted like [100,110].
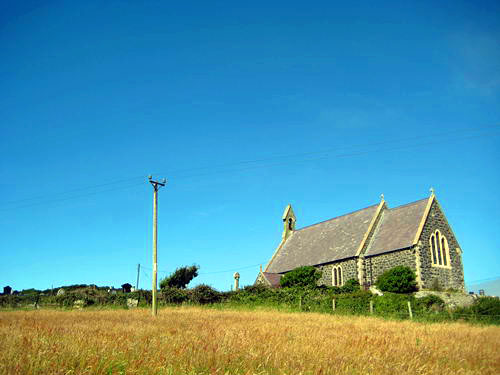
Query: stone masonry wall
[260,280]
[448,278]
[364,279]
[349,271]
[378,264]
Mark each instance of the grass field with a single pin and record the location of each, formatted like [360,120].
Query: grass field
[194,340]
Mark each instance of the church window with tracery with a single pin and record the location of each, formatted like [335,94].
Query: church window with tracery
[440,253]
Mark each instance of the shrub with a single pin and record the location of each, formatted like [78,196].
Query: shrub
[356,303]
[392,303]
[180,278]
[256,288]
[430,302]
[174,295]
[350,286]
[304,277]
[204,294]
[399,279]
[487,306]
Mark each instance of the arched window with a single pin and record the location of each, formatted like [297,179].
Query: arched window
[337,277]
[290,223]
[438,248]
[446,251]
[440,253]
[433,247]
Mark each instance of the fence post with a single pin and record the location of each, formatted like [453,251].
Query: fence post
[409,310]
[333,304]
[371,306]
[300,302]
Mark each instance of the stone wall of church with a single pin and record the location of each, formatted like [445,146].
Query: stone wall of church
[451,277]
[364,280]
[260,280]
[378,264]
[349,271]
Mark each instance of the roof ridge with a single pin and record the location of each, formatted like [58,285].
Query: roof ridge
[337,217]
[383,214]
[407,204]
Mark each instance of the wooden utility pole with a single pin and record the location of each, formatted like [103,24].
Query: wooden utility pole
[156,185]
[138,271]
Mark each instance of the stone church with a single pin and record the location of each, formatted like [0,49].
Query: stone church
[363,244]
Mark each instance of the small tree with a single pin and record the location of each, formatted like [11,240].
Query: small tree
[205,294]
[304,277]
[180,278]
[400,279]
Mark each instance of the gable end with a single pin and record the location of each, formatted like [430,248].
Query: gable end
[448,273]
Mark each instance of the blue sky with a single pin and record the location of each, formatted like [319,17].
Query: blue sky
[244,108]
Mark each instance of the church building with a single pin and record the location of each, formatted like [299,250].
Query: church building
[363,244]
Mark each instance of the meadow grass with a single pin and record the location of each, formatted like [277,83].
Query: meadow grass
[195,340]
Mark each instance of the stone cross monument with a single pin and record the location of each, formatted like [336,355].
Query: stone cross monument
[236,281]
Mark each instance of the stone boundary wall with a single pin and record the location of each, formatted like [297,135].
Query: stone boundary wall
[451,300]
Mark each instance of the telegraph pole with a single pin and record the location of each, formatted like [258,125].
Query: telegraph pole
[138,271]
[156,186]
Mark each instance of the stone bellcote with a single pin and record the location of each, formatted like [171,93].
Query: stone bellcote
[289,220]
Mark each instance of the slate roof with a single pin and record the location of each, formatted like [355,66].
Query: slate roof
[273,279]
[397,228]
[340,238]
[330,240]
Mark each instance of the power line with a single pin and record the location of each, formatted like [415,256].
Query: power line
[114,182]
[325,155]
[494,128]
[233,269]
[72,197]
[214,272]
[268,162]
[473,282]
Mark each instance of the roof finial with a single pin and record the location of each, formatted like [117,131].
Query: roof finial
[382,196]
[431,190]
[261,268]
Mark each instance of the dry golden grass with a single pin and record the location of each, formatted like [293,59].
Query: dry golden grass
[205,341]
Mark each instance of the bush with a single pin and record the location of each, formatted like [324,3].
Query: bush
[204,294]
[180,278]
[350,286]
[392,304]
[430,303]
[174,295]
[399,279]
[356,303]
[487,306]
[303,277]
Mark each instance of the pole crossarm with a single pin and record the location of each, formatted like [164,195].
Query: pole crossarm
[155,184]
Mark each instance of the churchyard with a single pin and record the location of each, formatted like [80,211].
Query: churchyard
[200,340]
